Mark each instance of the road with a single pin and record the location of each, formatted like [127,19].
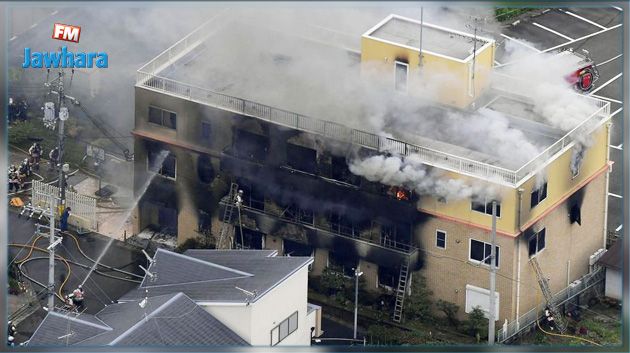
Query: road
[100,290]
[599,31]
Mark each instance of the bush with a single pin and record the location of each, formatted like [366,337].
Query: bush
[507,13]
[332,281]
[193,243]
[418,304]
[477,323]
[450,310]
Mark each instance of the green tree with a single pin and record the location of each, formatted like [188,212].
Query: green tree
[418,304]
[477,323]
[450,310]
[332,281]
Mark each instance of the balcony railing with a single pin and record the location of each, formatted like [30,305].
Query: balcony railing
[148,77]
[311,219]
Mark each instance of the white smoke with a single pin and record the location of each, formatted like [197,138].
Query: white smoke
[412,174]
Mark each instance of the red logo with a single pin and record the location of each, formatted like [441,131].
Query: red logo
[67,33]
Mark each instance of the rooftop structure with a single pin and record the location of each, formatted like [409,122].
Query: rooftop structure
[241,75]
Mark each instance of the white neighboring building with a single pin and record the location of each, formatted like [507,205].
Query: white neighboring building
[612,260]
[258,295]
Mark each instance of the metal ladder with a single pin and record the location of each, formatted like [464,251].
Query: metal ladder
[401,291]
[559,320]
[226,235]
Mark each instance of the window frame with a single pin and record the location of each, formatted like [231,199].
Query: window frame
[539,191]
[486,203]
[159,170]
[405,89]
[536,236]
[203,131]
[482,262]
[288,328]
[162,111]
[437,232]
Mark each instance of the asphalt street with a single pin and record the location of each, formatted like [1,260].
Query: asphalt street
[100,290]
[599,31]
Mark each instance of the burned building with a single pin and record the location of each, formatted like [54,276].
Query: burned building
[230,113]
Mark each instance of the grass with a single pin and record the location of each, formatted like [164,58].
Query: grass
[508,13]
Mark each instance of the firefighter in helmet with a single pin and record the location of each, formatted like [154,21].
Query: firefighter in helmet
[36,153]
[24,172]
[53,156]
[77,297]
[14,179]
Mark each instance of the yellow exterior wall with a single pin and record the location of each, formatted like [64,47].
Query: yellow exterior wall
[461,210]
[443,80]
[559,179]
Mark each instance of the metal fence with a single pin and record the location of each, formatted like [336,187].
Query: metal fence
[148,77]
[529,318]
[83,207]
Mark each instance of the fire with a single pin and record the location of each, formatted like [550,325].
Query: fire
[400,193]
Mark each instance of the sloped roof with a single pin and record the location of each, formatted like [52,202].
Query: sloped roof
[613,258]
[172,320]
[255,271]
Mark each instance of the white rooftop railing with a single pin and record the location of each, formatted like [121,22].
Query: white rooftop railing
[148,77]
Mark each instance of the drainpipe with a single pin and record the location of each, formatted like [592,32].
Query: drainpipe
[608,125]
[518,250]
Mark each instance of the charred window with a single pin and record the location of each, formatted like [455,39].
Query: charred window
[206,130]
[485,207]
[163,117]
[538,195]
[204,222]
[341,224]
[480,252]
[205,171]
[302,158]
[250,146]
[537,242]
[251,239]
[575,214]
[163,163]
[294,213]
[341,172]
[387,276]
[292,248]
[340,262]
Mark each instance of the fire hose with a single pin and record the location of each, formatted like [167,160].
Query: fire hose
[568,336]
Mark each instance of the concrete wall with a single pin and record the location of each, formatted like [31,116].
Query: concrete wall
[236,318]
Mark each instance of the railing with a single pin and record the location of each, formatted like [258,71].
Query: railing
[566,294]
[148,77]
[83,206]
[301,218]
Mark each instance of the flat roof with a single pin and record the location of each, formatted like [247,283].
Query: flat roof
[435,39]
[320,79]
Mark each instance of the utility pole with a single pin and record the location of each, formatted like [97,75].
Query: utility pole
[421,27]
[63,116]
[493,274]
[357,274]
[51,257]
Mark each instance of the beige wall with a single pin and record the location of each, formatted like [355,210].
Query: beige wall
[234,317]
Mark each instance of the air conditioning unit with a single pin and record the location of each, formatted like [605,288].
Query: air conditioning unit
[593,258]
[575,283]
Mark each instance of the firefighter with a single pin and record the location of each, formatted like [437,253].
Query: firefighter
[238,200]
[14,179]
[63,220]
[54,158]
[11,341]
[36,153]
[24,172]
[549,317]
[77,297]
[11,330]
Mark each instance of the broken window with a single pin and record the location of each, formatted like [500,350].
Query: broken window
[251,239]
[341,172]
[537,242]
[163,117]
[480,252]
[388,276]
[292,248]
[343,264]
[485,207]
[205,171]
[440,239]
[575,215]
[251,146]
[538,195]
[302,158]
[167,169]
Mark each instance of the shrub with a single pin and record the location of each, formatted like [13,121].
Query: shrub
[450,310]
